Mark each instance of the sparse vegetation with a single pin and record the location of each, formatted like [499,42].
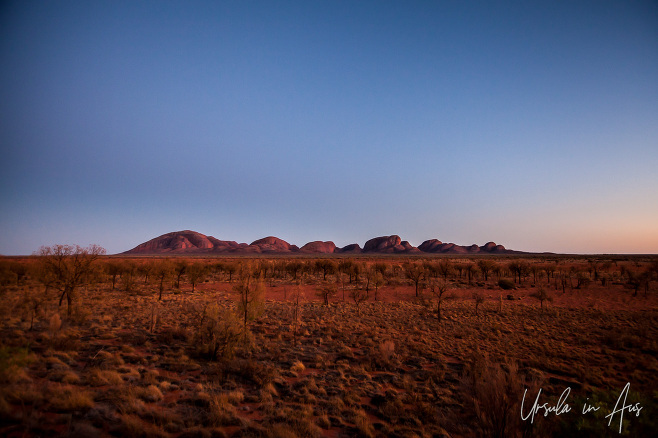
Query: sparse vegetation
[506,284]
[65,268]
[542,296]
[478,298]
[438,290]
[269,347]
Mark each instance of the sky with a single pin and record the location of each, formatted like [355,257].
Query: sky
[530,124]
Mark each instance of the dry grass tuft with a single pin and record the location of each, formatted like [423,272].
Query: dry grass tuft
[12,365]
[134,427]
[70,398]
[297,367]
[363,425]
[69,377]
[386,368]
[150,394]
[98,377]
[221,411]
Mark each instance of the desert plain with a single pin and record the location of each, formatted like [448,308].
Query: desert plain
[329,346]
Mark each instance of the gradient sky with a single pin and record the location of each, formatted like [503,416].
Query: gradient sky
[530,123]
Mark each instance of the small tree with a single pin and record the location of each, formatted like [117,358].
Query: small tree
[326,267]
[163,270]
[230,269]
[542,296]
[564,279]
[179,269]
[486,266]
[470,269]
[381,268]
[515,269]
[634,281]
[145,269]
[358,295]
[377,281]
[645,278]
[519,269]
[438,290]
[251,294]
[293,269]
[346,267]
[66,267]
[19,270]
[497,270]
[479,299]
[369,274]
[357,269]
[549,270]
[195,273]
[128,275]
[459,267]
[582,280]
[340,279]
[536,271]
[326,292]
[296,312]
[444,268]
[415,273]
[32,302]
[113,269]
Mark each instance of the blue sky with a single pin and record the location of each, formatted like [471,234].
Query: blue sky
[532,124]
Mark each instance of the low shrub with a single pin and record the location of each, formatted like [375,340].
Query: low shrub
[506,284]
[12,363]
[219,334]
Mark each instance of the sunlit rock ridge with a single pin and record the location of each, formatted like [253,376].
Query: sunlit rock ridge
[192,242]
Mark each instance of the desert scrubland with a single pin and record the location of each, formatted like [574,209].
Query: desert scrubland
[95,345]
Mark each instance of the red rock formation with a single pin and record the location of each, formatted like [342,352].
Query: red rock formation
[178,241]
[389,245]
[225,246]
[489,246]
[432,245]
[319,247]
[436,246]
[188,242]
[352,248]
[382,244]
[408,247]
[274,244]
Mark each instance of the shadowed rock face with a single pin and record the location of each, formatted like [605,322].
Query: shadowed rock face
[407,247]
[319,247]
[353,248]
[191,242]
[432,245]
[225,246]
[436,246]
[489,246]
[384,244]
